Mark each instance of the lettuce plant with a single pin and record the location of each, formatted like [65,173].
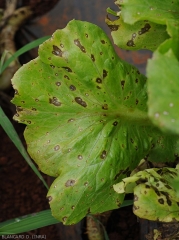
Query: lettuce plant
[92,117]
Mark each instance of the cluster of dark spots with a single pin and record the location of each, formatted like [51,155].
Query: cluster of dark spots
[22,101]
[136,101]
[54,101]
[144,29]
[92,57]
[101,53]
[29,122]
[58,84]
[103,154]
[57,51]
[115,123]
[67,69]
[105,73]
[122,84]
[114,27]
[80,102]
[86,35]
[105,106]
[70,183]
[72,88]
[98,80]
[37,100]
[102,41]
[52,66]
[78,44]
[65,76]
[98,87]
[132,141]
[34,109]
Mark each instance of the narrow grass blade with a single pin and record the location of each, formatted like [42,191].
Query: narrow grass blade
[27,223]
[9,129]
[22,50]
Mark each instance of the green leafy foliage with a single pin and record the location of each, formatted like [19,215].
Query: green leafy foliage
[155,11]
[140,35]
[86,112]
[86,116]
[156,193]
[163,85]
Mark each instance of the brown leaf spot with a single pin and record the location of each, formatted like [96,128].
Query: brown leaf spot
[161,201]
[114,27]
[49,198]
[105,107]
[80,102]
[65,76]
[57,51]
[57,147]
[105,73]
[55,101]
[78,44]
[67,69]
[92,57]
[103,154]
[130,43]
[98,80]
[70,183]
[58,84]
[144,29]
[115,123]
[72,88]
[122,84]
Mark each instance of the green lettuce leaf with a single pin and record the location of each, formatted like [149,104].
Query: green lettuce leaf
[140,35]
[163,84]
[86,117]
[155,11]
[156,193]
